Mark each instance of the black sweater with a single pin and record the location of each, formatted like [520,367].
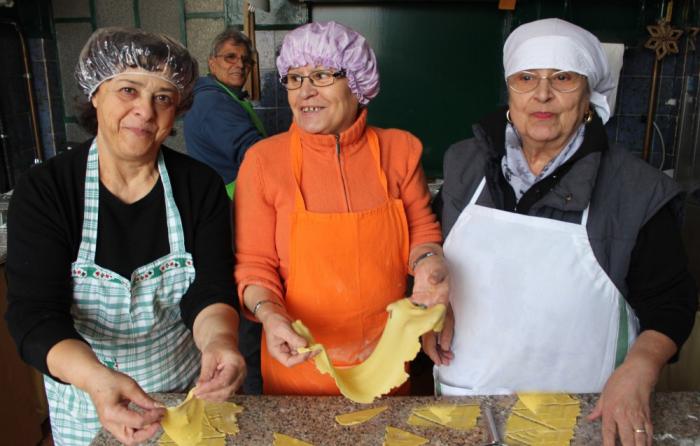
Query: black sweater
[44,232]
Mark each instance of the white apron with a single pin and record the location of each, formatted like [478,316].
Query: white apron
[132,324]
[534,311]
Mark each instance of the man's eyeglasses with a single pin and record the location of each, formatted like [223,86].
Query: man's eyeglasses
[233,58]
[319,78]
[562,81]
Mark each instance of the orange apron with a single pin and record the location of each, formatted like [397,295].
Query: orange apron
[345,268]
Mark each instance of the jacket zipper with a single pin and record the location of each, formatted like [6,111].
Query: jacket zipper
[340,168]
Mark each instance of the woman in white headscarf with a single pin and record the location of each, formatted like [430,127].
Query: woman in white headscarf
[568,269]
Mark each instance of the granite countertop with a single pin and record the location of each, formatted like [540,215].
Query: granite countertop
[676,417]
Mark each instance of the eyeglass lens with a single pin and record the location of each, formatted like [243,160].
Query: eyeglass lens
[562,81]
[321,78]
[234,58]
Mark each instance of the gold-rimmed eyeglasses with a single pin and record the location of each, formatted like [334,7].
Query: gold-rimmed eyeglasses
[318,78]
[562,81]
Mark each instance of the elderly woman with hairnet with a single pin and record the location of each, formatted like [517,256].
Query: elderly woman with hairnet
[568,270]
[331,215]
[119,254]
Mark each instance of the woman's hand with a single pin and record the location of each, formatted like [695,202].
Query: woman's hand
[437,344]
[111,392]
[624,402]
[624,407]
[215,333]
[282,340]
[223,370]
[431,284]
[74,362]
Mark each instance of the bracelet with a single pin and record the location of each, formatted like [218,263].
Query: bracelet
[420,258]
[263,302]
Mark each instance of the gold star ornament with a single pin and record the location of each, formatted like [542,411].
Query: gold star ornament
[663,40]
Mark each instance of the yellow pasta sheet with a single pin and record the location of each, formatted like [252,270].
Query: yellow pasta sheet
[398,437]
[286,440]
[455,416]
[542,419]
[199,423]
[223,416]
[384,369]
[353,418]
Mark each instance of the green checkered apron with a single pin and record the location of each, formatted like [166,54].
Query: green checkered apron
[133,325]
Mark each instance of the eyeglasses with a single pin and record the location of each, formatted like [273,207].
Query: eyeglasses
[232,58]
[562,81]
[319,78]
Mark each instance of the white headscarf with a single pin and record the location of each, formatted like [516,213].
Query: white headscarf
[560,45]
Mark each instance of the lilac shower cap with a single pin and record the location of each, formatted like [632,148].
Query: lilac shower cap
[334,46]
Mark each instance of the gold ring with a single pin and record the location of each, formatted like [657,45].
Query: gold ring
[639,430]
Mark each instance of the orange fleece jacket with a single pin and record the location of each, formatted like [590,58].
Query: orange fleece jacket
[264,198]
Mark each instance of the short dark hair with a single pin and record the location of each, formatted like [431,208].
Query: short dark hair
[86,116]
[233,35]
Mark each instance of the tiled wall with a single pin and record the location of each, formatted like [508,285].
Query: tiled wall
[273,108]
[627,126]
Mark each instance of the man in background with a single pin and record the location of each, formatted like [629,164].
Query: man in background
[219,128]
[222,125]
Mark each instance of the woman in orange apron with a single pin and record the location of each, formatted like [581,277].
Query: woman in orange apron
[331,216]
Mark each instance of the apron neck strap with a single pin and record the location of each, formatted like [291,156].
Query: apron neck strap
[176,236]
[584,216]
[480,188]
[477,193]
[296,154]
[373,141]
[88,242]
[247,106]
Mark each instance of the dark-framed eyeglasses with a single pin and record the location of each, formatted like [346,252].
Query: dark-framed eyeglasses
[562,81]
[232,58]
[318,78]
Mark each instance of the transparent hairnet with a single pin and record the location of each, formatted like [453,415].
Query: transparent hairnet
[111,51]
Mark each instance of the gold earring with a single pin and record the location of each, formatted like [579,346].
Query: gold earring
[508,117]
[588,117]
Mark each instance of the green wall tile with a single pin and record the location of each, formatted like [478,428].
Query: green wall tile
[114,13]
